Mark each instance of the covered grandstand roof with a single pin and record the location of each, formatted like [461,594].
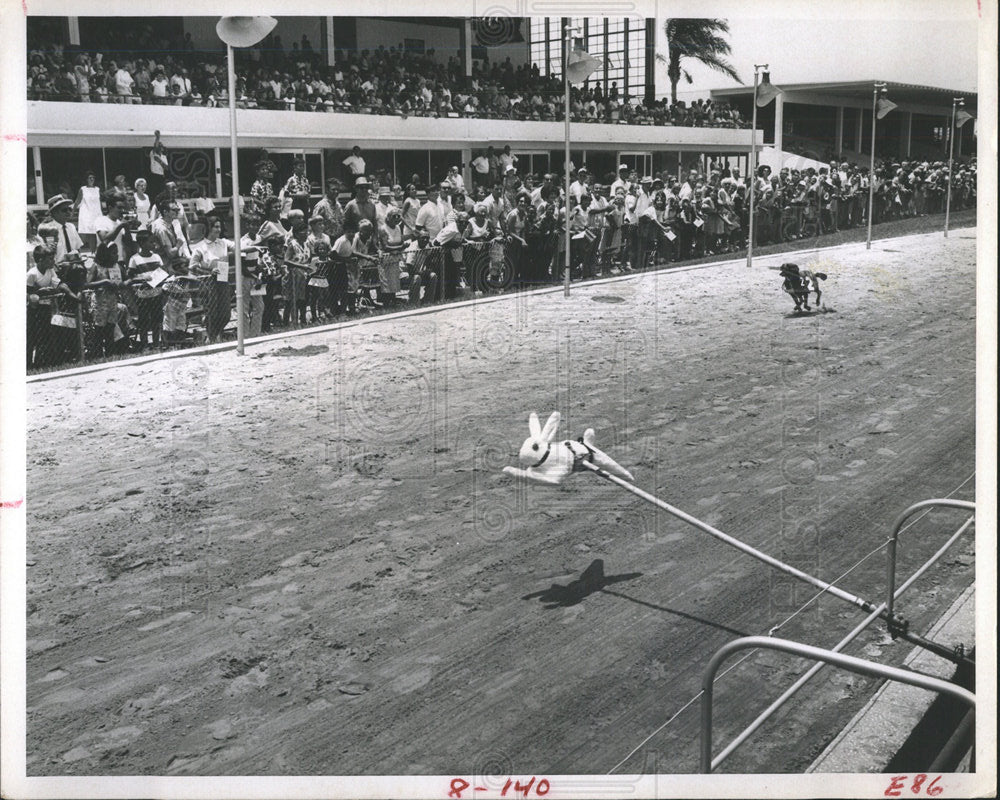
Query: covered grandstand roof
[862,90]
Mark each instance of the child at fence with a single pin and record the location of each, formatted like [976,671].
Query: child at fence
[145,273]
[43,285]
[611,233]
[254,290]
[449,238]
[391,243]
[271,271]
[104,278]
[318,289]
[297,265]
[420,270]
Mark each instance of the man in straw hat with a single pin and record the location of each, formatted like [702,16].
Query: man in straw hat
[57,230]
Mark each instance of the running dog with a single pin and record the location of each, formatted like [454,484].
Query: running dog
[799,283]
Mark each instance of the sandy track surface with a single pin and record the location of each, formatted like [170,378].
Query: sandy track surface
[306,561]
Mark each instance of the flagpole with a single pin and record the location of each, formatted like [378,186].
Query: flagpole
[951,155]
[871,170]
[566,50]
[753,165]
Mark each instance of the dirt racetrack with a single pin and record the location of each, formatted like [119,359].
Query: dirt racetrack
[306,561]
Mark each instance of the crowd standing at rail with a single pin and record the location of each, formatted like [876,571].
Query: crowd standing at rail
[137,271]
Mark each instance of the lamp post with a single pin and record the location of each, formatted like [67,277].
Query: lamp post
[763,94]
[239,32]
[567,49]
[577,66]
[956,103]
[879,90]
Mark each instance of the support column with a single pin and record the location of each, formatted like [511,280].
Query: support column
[218,173]
[74,30]
[907,137]
[839,140]
[466,45]
[39,185]
[958,140]
[779,122]
[859,132]
[331,50]
[467,168]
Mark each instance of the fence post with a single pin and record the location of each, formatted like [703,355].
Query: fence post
[79,330]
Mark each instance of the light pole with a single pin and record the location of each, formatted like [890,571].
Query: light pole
[577,67]
[956,103]
[239,32]
[762,95]
[567,49]
[876,104]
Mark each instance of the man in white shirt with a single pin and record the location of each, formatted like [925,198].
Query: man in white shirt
[544,188]
[444,200]
[497,207]
[455,179]
[180,84]
[123,85]
[623,181]
[578,188]
[112,229]
[355,165]
[160,85]
[430,219]
[383,206]
[507,159]
[481,170]
[687,189]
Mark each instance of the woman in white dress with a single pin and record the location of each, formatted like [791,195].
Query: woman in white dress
[88,201]
[141,202]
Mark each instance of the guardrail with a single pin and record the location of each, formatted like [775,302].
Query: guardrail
[876,613]
[851,663]
[891,565]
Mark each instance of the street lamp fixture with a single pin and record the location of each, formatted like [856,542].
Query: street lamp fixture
[880,107]
[763,93]
[956,103]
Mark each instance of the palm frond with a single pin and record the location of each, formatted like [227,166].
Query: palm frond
[698,39]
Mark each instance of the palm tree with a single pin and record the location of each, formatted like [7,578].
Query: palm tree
[700,39]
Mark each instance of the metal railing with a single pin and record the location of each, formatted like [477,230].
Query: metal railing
[851,663]
[891,564]
[876,613]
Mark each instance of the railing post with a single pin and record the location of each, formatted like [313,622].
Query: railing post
[891,550]
[80,341]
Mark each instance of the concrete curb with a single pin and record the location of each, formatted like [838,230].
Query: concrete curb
[876,733]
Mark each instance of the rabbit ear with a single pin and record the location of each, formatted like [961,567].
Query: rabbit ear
[534,425]
[549,431]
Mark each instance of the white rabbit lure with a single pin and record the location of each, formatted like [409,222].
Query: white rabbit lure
[548,462]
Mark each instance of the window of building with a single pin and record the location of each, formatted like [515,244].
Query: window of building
[619,43]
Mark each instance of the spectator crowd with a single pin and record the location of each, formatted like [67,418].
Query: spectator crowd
[136,270]
[381,81]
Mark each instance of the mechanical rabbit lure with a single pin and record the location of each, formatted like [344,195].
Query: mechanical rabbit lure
[550,463]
